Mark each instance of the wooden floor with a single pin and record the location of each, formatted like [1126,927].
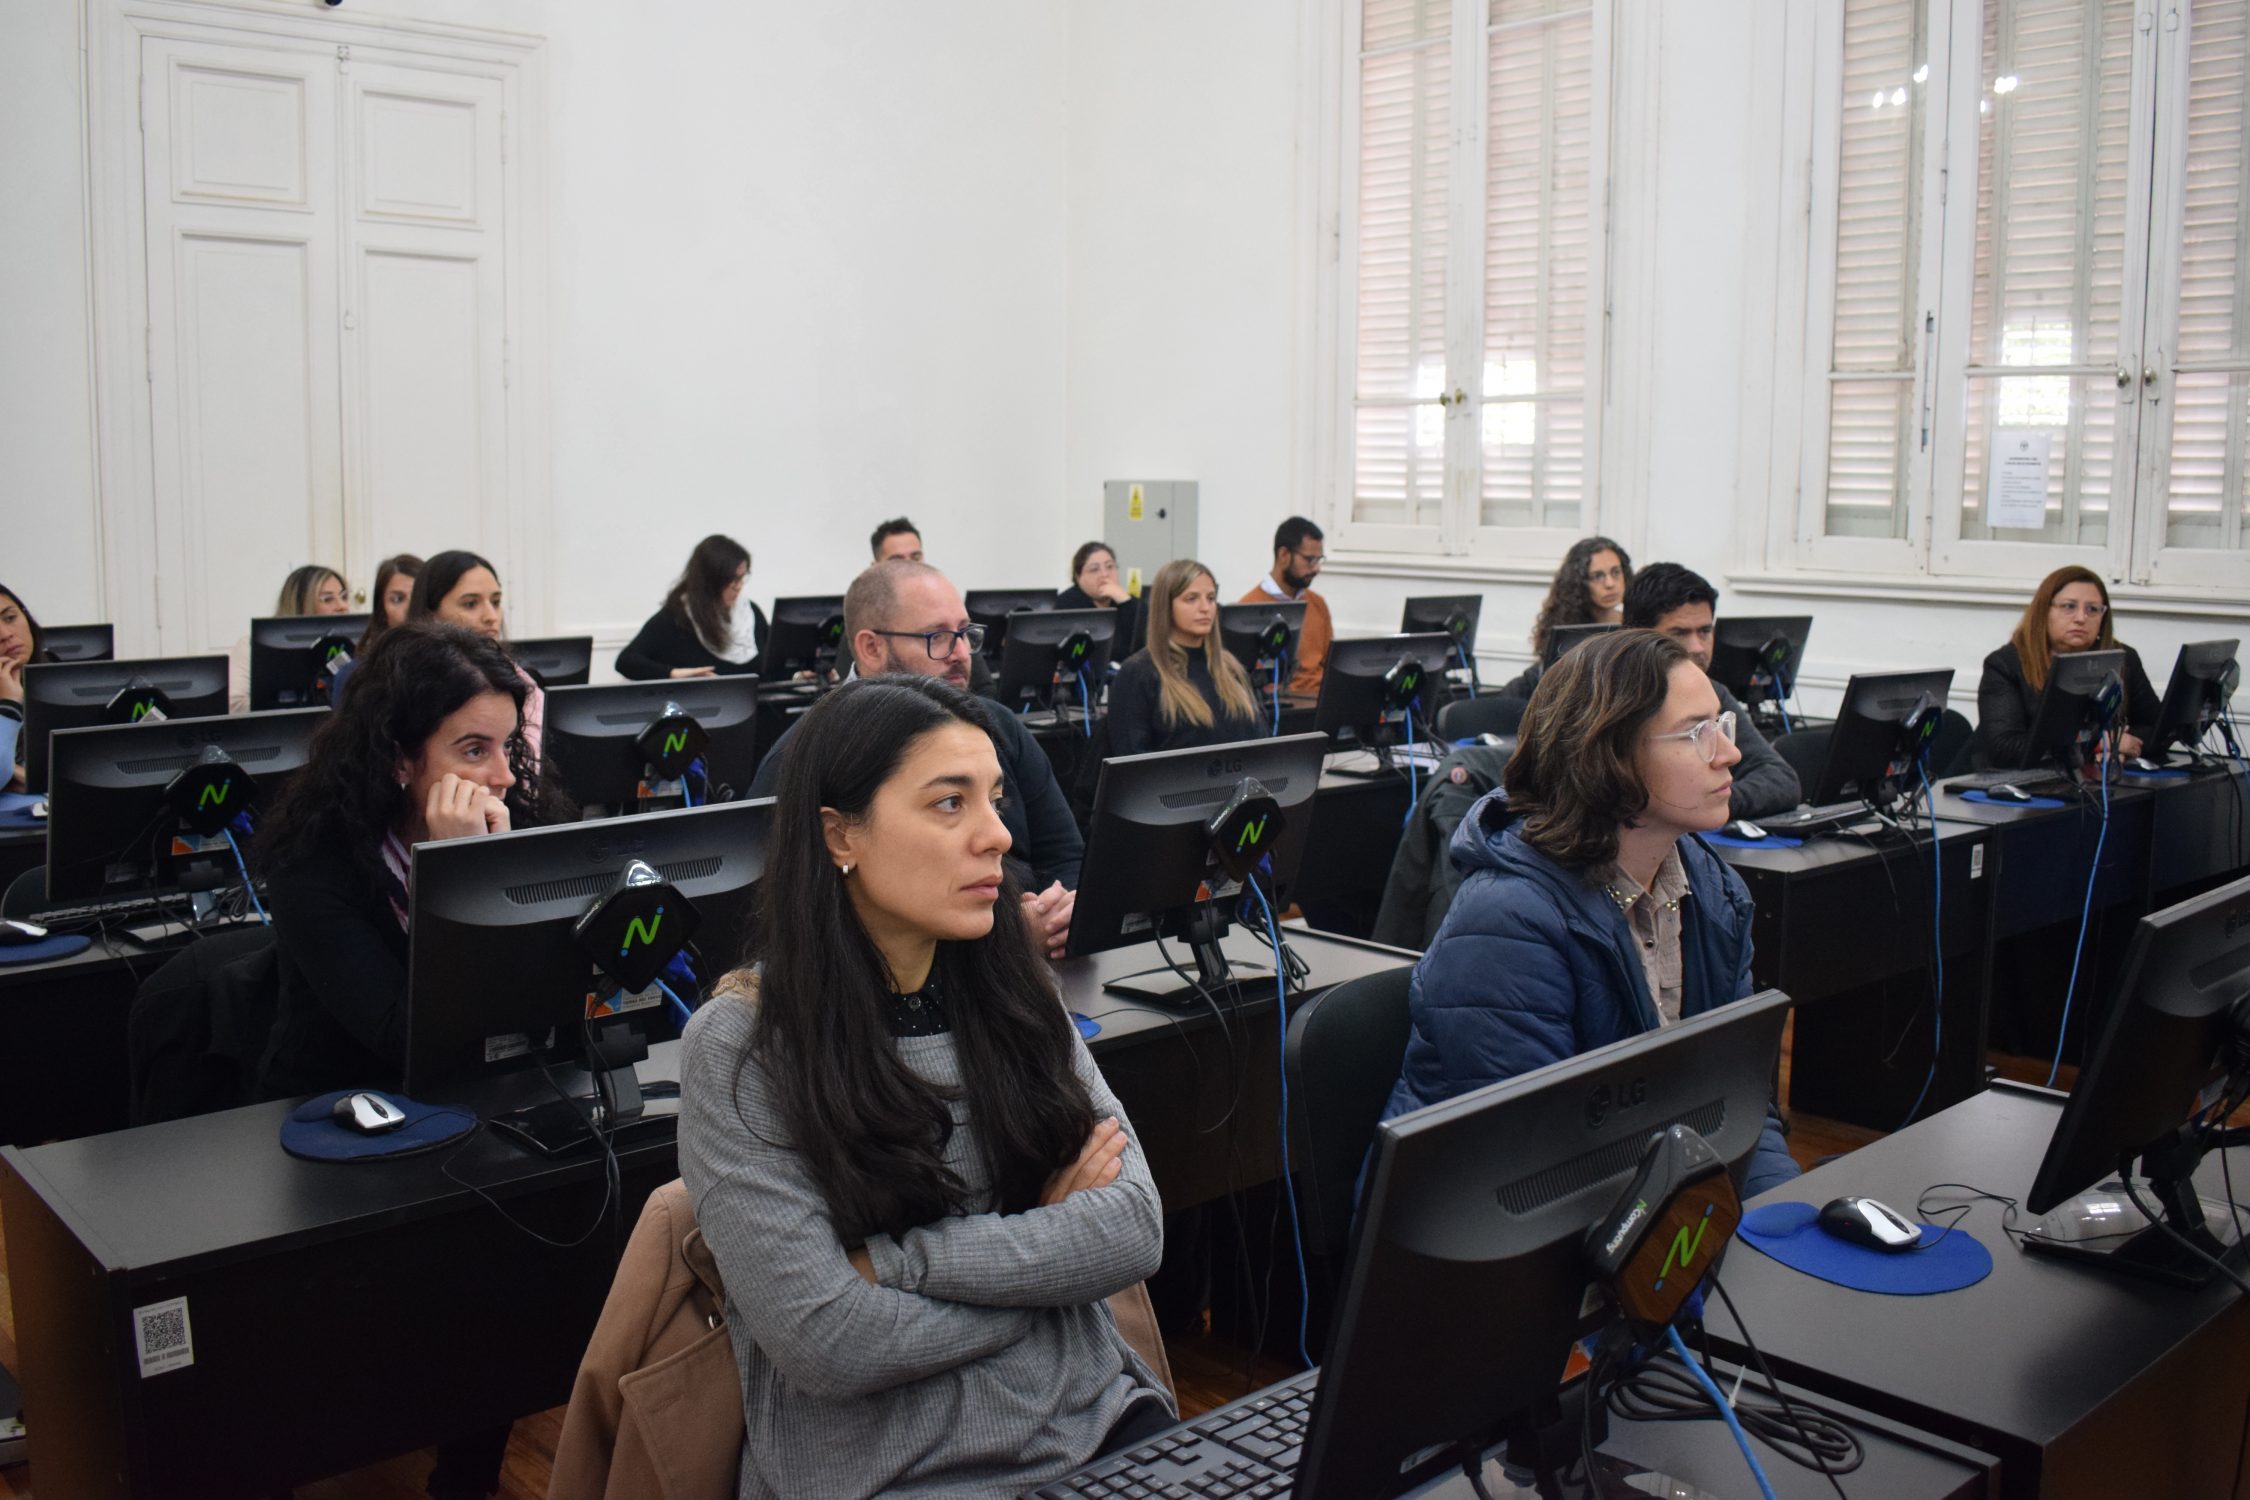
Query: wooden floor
[1207,1369]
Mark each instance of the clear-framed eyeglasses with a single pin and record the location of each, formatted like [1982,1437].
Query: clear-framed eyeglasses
[1705,734]
[941,642]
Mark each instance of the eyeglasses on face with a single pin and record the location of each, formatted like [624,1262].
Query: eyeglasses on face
[1705,735]
[940,643]
[2092,610]
[1313,560]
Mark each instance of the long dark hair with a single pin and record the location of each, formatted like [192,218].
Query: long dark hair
[438,577]
[347,795]
[872,1131]
[38,637]
[1569,601]
[1574,775]
[378,619]
[698,599]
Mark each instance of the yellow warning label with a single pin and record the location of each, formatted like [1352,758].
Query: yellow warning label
[1134,510]
[1133,582]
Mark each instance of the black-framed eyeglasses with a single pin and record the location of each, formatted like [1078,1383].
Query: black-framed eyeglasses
[1315,561]
[940,643]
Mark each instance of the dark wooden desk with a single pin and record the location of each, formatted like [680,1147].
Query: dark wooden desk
[62,1037]
[2083,1383]
[21,848]
[1356,822]
[345,1313]
[1843,926]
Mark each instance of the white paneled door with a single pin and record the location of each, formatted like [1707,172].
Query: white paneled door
[327,318]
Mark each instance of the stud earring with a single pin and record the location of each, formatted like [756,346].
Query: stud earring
[847,869]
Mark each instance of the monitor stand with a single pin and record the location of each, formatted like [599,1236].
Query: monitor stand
[619,1108]
[1226,980]
[2103,1228]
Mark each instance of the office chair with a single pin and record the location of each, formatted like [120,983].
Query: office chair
[25,895]
[1342,1057]
[1488,714]
[1806,750]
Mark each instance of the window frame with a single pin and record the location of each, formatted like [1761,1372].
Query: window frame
[1784,434]
[1459,546]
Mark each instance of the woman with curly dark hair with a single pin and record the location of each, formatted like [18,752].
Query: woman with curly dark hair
[1589,589]
[427,745]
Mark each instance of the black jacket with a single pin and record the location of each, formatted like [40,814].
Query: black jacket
[1136,717]
[2007,705]
[341,1022]
[664,645]
[1422,881]
[1045,843]
[1131,631]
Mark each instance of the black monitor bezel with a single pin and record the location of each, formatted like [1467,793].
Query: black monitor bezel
[1862,743]
[52,639]
[577,652]
[175,676]
[1241,625]
[611,777]
[796,619]
[2200,667]
[1027,662]
[281,661]
[1737,643]
[1466,1281]
[1353,699]
[443,1013]
[1564,638]
[2066,702]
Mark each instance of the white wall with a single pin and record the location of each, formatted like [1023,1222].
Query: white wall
[814,264]
[46,410]
[808,271]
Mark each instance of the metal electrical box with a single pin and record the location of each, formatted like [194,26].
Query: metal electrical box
[1147,523]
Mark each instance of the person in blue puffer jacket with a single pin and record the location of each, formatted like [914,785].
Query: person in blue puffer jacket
[1589,911]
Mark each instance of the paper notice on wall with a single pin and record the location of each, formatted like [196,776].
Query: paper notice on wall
[1136,509]
[2016,492]
[1133,582]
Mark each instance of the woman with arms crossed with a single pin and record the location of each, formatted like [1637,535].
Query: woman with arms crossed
[917,1185]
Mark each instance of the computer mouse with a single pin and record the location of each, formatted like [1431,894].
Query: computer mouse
[369,1114]
[13,932]
[1863,1221]
[1743,828]
[2142,763]
[2007,794]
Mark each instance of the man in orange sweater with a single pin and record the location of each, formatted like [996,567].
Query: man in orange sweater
[1297,556]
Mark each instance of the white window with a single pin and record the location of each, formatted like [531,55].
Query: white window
[2027,239]
[1470,258]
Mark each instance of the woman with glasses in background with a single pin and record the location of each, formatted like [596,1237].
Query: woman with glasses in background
[2069,613]
[1590,911]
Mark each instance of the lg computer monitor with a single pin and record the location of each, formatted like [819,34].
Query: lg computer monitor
[293,657]
[1149,850]
[806,635]
[1056,658]
[1882,725]
[1263,637]
[2084,697]
[1467,1279]
[2203,678]
[2155,1071]
[79,642]
[1364,688]
[495,981]
[113,831]
[592,735]
[76,694]
[557,661]
[1455,614]
[1756,657]
[992,607]
[1562,638]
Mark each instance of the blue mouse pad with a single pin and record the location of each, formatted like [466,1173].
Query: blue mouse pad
[1791,1234]
[1770,841]
[53,945]
[15,810]
[1087,1029]
[1991,801]
[2169,773]
[312,1134]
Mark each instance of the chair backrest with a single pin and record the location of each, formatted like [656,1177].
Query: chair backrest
[25,894]
[1806,750]
[1949,751]
[1342,1058]
[1486,714]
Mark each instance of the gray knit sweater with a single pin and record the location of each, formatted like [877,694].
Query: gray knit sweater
[986,1361]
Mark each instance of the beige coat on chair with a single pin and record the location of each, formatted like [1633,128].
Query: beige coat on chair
[656,1410]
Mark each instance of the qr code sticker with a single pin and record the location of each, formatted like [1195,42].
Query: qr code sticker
[165,1340]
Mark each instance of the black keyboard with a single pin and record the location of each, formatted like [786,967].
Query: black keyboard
[1812,819]
[1247,1449]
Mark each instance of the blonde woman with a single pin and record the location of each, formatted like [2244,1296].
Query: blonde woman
[1184,689]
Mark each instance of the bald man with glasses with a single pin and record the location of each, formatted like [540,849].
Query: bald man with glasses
[908,617]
